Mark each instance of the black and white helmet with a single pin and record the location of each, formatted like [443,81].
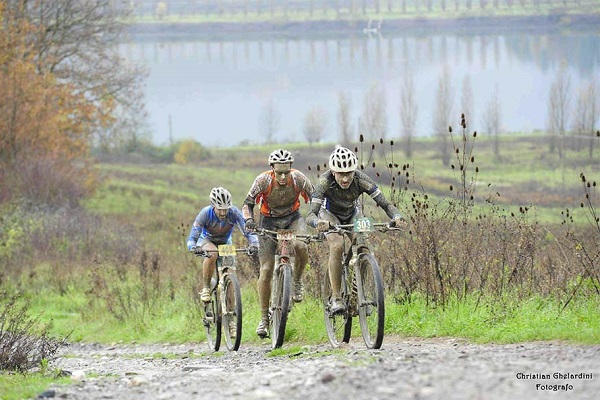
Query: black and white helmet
[220,197]
[342,160]
[281,156]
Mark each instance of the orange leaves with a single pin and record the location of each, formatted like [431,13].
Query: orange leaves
[45,123]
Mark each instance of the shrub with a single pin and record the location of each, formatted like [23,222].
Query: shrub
[23,345]
[190,152]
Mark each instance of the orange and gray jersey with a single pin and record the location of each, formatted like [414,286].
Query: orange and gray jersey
[276,200]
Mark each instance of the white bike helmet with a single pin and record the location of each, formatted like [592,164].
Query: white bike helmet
[342,160]
[281,156]
[220,197]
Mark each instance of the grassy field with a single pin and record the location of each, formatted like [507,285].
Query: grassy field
[160,201]
[486,270]
[524,173]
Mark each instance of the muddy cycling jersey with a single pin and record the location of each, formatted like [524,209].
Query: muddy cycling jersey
[276,200]
[343,202]
[208,226]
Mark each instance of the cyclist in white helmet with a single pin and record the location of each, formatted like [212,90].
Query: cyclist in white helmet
[214,226]
[278,192]
[335,202]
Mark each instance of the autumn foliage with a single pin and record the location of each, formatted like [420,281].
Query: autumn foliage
[45,122]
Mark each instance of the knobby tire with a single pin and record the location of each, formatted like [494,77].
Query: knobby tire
[371,303]
[338,326]
[212,320]
[281,304]
[232,312]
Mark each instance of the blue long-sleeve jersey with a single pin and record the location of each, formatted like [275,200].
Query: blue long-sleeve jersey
[208,226]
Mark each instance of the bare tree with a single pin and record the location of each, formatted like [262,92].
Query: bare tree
[558,110]
[443,113]
[344,118]
[466,99]
[374,115]
[492,120]
[269,121]
[408,111]
[314,124]
[586,114]
[581,115]
[594,107]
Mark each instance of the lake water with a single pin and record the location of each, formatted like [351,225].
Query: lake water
[217,91]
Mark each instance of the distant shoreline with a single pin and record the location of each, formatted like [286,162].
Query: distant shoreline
[293,28]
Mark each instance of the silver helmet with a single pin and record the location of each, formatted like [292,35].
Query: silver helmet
[220,197]
[281,156]
[342,160]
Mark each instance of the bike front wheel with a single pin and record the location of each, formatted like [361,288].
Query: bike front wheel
[371,304]
[231,320]
[212,321]
[338,326]
[280,305]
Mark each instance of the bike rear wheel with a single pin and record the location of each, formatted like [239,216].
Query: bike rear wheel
[231,320]
[280,306]
[212,320]
[338,326]
[371,305]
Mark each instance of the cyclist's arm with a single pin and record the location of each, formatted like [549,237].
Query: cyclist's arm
[306,187]
[369,186]
[197,229]
[253,194]
[241,224]
[387,206]
[316,202]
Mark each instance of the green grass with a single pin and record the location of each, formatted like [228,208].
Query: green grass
[506,321]
[27,386]
[512,321]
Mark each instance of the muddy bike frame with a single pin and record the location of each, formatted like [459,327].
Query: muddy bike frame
[222,316]
[361,287]
[280,302]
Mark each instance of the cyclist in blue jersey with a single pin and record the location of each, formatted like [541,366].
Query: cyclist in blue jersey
[214,226]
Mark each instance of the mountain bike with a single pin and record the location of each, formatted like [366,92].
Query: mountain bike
[280,303]
[222,316]
[361,290]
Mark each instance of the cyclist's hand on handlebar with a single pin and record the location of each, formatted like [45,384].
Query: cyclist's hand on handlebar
[323,225]
[250,225]
[398,222]
[252,250]
[196,250]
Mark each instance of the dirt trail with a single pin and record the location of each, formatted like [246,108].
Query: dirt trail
[403,369]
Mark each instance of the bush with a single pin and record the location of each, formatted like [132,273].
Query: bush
[190,152]
[23,345]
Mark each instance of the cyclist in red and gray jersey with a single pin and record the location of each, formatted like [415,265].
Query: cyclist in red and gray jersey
[278,193]
[335,202]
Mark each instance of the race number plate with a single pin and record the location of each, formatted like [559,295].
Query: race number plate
[226,250]
[286,235]
[363,225]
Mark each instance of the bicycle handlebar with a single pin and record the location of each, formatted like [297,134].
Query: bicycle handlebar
[300,236]
[382,227]
[206,253]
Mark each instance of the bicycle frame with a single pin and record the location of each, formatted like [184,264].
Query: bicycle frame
[280,301]
[217,312]
[362,287]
